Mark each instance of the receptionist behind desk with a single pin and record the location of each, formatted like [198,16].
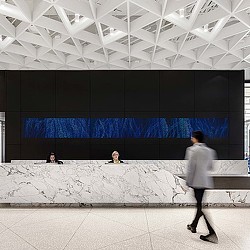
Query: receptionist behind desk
[52,159]
[115,158]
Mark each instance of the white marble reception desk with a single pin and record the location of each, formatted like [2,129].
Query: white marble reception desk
[221,167]
[85,183]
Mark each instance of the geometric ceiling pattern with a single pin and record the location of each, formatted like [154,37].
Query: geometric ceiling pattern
[124,34]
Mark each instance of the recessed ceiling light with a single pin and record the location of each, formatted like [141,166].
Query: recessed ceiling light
[77,18]
[181,13]
[206,28]
[57,36]
[1,38]
[111,30]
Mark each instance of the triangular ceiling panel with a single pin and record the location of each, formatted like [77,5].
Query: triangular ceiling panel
[125,34]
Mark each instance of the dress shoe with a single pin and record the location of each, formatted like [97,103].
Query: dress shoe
[212,237]
[191,228]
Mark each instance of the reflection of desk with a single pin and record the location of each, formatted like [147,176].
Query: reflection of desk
[100,184]
[230,182]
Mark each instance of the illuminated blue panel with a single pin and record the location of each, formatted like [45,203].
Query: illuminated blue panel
[182,127]
[56,128]
[123,127]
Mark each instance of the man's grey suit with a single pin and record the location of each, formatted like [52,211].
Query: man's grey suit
[200,162]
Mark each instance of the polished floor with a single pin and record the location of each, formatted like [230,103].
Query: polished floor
[119,228]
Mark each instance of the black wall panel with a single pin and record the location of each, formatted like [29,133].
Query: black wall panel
[13,90]
[77,149]
[173,151]
[236,152]
[236,91]
[236,125]
[107,91]
[37,148]
[72,91]
[211,91]
[104,151]
[13,127]
[142,91]
[142,149]
[142,114]
[72,114]
[38,91]
[12,152]
[107,114]
[170,114]
[100,94]
[2,92]
[177,91]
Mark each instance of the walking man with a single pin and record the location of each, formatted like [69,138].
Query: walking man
[200,161]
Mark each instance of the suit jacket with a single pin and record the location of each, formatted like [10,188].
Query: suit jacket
[57,161]
[112,161]
[200,162]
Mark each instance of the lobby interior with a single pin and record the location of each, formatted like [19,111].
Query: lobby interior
[85,81]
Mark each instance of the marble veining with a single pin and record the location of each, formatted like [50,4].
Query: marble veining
[102,184]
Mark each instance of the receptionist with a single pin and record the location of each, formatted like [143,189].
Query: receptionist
[53,159]
[115,158]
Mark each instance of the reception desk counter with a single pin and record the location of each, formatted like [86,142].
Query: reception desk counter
[221,167]
[95,183]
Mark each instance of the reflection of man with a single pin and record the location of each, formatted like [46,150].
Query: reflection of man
[200,162]
[248,162]
[246,156]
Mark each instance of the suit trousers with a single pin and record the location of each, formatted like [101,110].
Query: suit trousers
[198,193]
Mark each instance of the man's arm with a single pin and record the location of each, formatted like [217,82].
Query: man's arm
[191,157]
[213,157]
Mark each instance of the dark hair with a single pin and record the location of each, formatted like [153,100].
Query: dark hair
[48,157]
[198,135]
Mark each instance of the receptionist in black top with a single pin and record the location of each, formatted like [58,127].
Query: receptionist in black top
[52,159]
[115,158]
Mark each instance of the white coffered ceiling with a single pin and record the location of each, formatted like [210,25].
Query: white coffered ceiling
[124,34]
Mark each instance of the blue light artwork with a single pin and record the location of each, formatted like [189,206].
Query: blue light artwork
[123,127]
